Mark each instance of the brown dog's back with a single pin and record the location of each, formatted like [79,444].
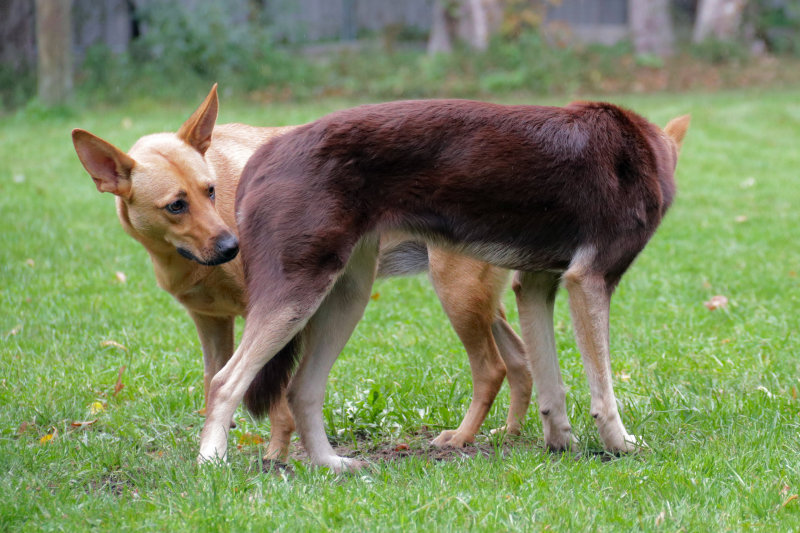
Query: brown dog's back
[520,186]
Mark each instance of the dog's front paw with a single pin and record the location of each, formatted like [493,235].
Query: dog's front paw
[452,438]
[561,440]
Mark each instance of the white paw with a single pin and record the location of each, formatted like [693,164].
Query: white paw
[340,464]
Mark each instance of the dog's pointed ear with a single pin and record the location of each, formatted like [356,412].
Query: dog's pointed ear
[676,129]
[197,129]
[109,167]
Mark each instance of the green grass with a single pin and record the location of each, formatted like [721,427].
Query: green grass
[714,394]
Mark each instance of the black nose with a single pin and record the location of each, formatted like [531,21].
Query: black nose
[227,246]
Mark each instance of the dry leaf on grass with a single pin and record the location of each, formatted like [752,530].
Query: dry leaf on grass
[49,437]
[717,302]
[119,385]
[96,407]
[121,277]
[249,439]
[375,296]
[83,424]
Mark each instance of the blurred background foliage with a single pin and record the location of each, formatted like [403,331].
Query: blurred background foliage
[299,49]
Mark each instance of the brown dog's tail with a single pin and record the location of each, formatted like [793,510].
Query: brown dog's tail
[403,259]
[272,379]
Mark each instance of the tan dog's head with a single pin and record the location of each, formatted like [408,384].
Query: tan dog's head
[164,187]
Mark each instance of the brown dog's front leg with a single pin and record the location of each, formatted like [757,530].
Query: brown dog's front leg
[589,300]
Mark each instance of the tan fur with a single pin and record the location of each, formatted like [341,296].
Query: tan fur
[160,166]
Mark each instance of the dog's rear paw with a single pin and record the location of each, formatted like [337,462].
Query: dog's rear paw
[508,430]
[452,438]
[341,465]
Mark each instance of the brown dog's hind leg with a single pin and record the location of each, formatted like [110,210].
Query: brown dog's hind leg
[589,299]
[536,293]
[270,325]
[324,337]
[469,291]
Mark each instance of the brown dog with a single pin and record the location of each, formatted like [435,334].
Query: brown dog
[569,193]
[175,195]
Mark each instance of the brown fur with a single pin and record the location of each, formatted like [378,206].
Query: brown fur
[574,191]
[163,168]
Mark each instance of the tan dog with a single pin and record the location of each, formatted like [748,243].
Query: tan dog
[175,195]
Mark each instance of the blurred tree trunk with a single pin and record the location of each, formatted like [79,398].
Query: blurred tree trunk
[471,21]
[718,18]
[651,26]
[54,50]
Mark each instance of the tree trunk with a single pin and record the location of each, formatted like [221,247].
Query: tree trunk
[718,18]
[651,27]
[54,50]
[471,21]
[441,36]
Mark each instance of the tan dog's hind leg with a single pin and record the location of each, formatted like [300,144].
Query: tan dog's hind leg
[470,291]
[324,338]
[589,301]
[518,372]
[281,429]
[536,293]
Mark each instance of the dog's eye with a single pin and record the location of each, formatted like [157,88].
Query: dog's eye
[211,191]
[177,207]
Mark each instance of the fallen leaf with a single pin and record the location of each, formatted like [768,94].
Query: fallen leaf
[792,274]
[624,376]
[717,302]
[121,277]
[794,393]
[660,518]
[23,427]
[49,437]
[375,296]
[96,407]
[249,439]
[30,262]
[83,424]
[401,447]
[741,218]
[789,500]
[16,329]
[785,489]
[119,385]
[725,341]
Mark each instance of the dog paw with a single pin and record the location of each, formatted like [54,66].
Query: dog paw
[341,465]
[625,443]
[508,430]
[451,438]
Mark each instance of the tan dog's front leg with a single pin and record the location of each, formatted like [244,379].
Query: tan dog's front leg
[589,299]
[216,339]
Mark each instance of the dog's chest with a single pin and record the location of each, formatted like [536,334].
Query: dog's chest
[217,301]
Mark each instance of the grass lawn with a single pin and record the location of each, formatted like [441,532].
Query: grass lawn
[714,393]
